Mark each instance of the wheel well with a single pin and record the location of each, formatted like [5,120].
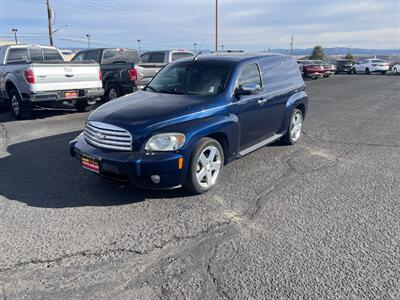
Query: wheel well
[223,140]
[302,108]
[10,86]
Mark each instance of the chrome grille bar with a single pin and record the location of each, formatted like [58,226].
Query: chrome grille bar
[107,136]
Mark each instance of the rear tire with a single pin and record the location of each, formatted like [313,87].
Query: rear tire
[205,166]
[367,71]
[293,133]
[354,71]
[20,109]
[395,71]
[112,93]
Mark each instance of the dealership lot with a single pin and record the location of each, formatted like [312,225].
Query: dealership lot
[319,219]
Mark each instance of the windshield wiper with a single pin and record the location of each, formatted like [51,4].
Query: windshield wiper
[152,89]
[173,91]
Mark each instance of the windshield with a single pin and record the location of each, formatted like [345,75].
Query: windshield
[191,78]
[120,56]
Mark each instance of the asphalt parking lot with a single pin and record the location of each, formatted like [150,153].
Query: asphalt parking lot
[315,220]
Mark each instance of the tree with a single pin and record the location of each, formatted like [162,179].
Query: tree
[318,53]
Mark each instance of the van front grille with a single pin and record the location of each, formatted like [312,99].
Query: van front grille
[107,136]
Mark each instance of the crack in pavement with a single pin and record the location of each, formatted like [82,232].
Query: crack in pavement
[88,253]
[328,142]
[214,279]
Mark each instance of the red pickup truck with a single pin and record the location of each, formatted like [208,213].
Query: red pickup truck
[310,69]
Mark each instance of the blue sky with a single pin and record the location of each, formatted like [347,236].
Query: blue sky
[244,24]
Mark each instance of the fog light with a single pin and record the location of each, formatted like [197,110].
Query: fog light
[155,179]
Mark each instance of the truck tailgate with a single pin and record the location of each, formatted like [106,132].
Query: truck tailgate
[146,72]
[65,76]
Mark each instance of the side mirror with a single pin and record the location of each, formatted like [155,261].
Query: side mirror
[248,89]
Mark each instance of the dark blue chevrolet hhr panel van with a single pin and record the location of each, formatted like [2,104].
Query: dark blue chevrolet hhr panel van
[195,116]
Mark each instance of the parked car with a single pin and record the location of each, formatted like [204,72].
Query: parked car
[33,75]
[153,61]
[195,116]
[330,69]
[368,66]
[118,67]
[310,69]
[344,66]
[396,68]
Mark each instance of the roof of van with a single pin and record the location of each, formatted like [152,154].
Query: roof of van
[233,57]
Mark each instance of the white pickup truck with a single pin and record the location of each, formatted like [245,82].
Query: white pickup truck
[32,75]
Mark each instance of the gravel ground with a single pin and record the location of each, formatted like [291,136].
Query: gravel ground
[315,220]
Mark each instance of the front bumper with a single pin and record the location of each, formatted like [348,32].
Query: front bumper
[134,167]
[58,96]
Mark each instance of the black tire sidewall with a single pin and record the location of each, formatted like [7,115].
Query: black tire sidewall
[191,183]
[25,109]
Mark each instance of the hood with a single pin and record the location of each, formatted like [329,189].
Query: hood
[143,109]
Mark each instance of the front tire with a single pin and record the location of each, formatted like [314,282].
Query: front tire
[294,130]
[20,109]
[395,71]
[205,166]
[367,71]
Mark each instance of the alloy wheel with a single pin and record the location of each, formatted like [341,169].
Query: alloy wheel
[112,94]
[295,126]
[15,104]
[208,166]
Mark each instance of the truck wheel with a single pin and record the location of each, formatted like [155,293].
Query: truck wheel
[112,93]
[205,166]
[81,106]
[294,130]
[20,109]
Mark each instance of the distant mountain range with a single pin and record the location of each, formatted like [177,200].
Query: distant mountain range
[307,51]
[342,51]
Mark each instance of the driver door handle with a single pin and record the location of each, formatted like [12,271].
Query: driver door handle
[261,101]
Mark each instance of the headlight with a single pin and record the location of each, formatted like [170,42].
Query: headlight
[165,142]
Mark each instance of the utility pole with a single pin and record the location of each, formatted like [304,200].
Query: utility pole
[50,21]
[291,45]
[15,30]
[216,25]
[88,39]
[139,42]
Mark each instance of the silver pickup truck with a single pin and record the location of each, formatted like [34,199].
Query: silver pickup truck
[32,75]
[153,61]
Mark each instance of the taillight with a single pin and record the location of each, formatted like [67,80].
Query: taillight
[132,74]
[100,75]
[29,76]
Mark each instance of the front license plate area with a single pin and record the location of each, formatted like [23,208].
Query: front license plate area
[70,94]
[90,163]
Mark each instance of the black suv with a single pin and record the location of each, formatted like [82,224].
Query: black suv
[344,66]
